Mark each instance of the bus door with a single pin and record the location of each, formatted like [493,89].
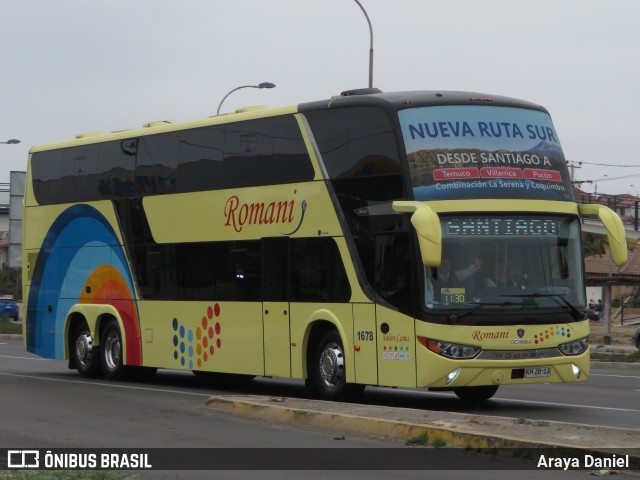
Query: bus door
[395,327]
[396,348]
[275,307]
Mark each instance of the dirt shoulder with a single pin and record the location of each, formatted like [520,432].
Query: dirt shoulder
[620,334]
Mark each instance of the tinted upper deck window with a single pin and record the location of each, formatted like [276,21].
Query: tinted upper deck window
[355,142]
[267,151]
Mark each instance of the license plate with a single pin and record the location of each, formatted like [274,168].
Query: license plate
[537,372]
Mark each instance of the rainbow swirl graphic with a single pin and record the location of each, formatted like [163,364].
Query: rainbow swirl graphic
[80,261]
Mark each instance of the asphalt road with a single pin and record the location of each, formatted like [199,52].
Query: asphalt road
[45,405]
[610,398]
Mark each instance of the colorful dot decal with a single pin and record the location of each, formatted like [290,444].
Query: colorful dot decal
[551,332]
[195,346]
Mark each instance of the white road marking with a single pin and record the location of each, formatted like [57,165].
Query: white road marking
[25,358]
[108,385]
[533,402]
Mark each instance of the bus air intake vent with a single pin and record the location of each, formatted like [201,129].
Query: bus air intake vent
[159,123]
[360,91]
[251,109]
[89,134]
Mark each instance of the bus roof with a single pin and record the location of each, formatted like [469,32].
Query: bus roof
[365,96]
[411,99]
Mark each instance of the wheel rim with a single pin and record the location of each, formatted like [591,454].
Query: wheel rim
[112,351]
[332,365]
[84,348]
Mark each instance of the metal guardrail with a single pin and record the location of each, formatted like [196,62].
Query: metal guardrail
[631,303]
[627,206]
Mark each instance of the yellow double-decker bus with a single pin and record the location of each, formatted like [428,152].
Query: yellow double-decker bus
[410,239]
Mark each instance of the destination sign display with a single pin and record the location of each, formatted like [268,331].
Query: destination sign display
[484,226]
[482,151]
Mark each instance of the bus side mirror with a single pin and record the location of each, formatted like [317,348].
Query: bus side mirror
[427,225]
[613,225]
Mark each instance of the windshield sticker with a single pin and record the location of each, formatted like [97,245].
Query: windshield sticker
[457,152]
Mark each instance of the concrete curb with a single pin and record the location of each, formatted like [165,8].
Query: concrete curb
[614,349]
[431,428]
[377,427]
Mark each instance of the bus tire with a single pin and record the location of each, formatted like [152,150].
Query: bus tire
[476,394]
[327,376]
[111,354]
[86,356]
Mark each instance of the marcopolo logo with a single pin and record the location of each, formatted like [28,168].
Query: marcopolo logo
[238,213]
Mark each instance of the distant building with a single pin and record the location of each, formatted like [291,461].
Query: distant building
[4,224]
[600,271]
[623,204]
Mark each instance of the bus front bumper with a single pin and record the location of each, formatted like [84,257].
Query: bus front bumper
[438,372]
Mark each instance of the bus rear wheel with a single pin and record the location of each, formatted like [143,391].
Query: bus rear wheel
[111,351]
[476,394]
[327,376]
[85,355]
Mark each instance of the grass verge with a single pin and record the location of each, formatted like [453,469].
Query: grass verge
[614,357]
[11,328]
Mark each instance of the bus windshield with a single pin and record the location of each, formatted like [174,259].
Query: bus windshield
[520,262]
[474,152]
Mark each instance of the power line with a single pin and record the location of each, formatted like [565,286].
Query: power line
[603,164]
[606,179]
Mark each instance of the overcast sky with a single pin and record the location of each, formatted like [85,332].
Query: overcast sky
[73,66]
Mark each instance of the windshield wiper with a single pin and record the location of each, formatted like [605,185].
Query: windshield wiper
[575,313]
[476,306]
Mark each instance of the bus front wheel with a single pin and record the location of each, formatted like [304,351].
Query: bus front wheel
[476,394]
[111,351]
[85,355]
[327,376]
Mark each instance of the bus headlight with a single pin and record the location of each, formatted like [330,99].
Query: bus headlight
[456,351]
[576,347]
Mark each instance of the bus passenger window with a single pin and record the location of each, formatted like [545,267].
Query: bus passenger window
[317,272]
[156,164]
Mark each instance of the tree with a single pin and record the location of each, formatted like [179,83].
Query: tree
[594,244]
[10,281]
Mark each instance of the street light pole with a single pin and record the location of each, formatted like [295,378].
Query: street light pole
[370,44]
[595,191]
[12,141]
[635,209]
[260,85]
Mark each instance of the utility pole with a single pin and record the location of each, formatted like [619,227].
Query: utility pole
[572,169]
